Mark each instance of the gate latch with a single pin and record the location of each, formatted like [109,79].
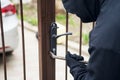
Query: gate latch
[53,42]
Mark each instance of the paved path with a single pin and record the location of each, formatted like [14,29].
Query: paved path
[15,63]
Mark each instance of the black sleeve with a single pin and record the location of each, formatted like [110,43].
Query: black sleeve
[79,71]
[104,64]
[87,10]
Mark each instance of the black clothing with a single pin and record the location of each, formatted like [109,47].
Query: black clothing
[104,45]
[85,9]
[76,67]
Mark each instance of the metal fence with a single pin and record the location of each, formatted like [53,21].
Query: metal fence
[46,16]
[3,42]
[48,70]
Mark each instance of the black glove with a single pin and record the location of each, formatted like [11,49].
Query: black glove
[73,60]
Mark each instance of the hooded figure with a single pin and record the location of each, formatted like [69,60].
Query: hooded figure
[104,44]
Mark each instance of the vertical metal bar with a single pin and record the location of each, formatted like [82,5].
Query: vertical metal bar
[93,24]
[3,44]
[23,40]
[80,44]
[67,17]
[46,15]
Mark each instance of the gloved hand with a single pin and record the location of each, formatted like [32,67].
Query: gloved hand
[73,60]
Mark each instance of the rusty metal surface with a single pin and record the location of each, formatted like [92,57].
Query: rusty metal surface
[3,44]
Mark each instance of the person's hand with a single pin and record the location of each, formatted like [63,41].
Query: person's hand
[73,60]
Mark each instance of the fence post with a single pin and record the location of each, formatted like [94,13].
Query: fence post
[46,15]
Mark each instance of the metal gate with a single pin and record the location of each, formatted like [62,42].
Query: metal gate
[47,62]
[46,18]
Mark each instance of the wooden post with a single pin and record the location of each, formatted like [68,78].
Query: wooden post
[46,15]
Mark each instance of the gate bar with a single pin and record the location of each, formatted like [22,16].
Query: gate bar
[3,44]
[67,21]
[23,40]
[93,24]
[80,43]
[46,16]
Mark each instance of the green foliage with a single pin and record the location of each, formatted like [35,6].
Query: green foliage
[61,18]
[30,14]
[85,38]
[31,20]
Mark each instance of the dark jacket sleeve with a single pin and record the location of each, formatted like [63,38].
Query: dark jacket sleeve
[104,64]
[87,10]
[79,71]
